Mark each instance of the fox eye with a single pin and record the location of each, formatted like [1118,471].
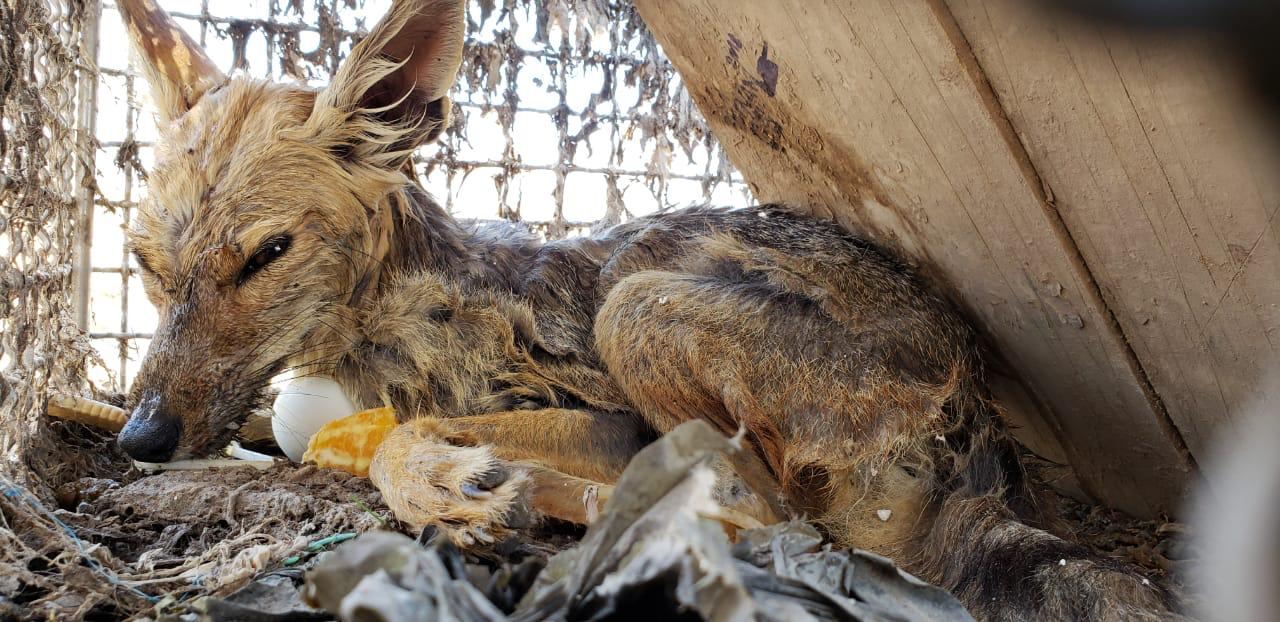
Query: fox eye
[267,253]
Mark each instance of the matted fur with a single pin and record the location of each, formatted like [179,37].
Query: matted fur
[862,395]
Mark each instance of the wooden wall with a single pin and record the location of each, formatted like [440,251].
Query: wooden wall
[1096,201]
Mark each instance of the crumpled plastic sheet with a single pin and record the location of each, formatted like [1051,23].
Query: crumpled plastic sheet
[655,553]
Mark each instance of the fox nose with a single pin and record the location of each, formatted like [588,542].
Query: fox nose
[151,434]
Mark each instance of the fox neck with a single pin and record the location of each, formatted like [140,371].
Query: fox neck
[411,234]
[422,237]
[415,234]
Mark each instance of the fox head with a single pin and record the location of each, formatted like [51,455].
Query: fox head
[267,211]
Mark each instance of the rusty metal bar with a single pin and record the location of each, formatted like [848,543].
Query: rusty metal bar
[87,96]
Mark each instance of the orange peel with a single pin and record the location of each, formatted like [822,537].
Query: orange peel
[348,444]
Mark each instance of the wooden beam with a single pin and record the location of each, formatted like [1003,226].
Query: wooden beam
[877,114]
[1148,154]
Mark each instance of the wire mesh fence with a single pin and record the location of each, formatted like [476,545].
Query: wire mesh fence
[44,149]
[566,116]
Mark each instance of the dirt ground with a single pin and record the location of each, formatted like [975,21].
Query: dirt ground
[118,543]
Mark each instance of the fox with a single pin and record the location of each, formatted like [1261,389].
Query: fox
[285,231]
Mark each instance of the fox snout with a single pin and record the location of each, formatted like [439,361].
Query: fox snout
[152,433]
[188,401]
[195,381]
[188,410]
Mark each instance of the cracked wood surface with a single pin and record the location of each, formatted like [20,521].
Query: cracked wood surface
[1152,168]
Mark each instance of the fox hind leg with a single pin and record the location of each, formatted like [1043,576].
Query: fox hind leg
[844,437]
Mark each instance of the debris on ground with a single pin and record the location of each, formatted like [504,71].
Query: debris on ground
[656,552]
[285,544]
[1161,547]
[114,548]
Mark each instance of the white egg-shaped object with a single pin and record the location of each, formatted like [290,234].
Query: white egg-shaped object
[303,406]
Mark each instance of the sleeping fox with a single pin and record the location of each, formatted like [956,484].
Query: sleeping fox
[285,231]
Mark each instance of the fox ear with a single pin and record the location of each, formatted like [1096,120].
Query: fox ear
[390,92]
[176,67]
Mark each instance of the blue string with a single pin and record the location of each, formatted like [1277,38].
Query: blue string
[14,492]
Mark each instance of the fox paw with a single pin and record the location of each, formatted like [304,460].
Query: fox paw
[428,477]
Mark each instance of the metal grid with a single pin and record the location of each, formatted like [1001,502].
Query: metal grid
[45,91]
[567,116]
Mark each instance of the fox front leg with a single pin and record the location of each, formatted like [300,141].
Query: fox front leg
[428,480]
[476,477]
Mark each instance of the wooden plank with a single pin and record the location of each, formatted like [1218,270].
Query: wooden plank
[875,113]
[1151,168]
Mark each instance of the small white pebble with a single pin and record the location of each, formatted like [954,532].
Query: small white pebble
[884,515]
[940,438]
[662,300]
[763,214]
[1062,562]
[1146,582]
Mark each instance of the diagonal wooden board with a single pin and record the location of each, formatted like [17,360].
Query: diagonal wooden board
[1169,187]
[878,114]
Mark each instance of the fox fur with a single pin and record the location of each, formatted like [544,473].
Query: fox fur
[285,231]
